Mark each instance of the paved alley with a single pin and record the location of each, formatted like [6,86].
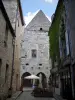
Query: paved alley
[27,96]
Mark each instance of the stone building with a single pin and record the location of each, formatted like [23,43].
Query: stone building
[55,48]
[19,32]
[14,11]
[7,36]
[11,7]
[63,49]
[70,27]
[35,50]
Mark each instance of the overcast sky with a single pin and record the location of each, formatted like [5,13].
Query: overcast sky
[31,7]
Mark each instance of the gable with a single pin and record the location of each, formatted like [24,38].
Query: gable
[39,21]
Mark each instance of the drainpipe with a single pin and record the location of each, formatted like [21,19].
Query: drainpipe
[12,64]
[13,41]
[10,89]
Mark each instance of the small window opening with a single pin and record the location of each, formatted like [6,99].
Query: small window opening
[40,64]
[34,53]
[40,29]
[27,64]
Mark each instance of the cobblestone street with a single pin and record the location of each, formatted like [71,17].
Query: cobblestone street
[27,96]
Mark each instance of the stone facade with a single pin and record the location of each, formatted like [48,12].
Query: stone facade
[11,9]
[19,33]
[6,52]
[70,24]
[70,27]
[36,39]
[14,11]
[63,77]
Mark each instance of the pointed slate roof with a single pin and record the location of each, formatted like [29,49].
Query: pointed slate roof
[39,21]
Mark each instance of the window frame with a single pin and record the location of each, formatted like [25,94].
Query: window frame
[34,53]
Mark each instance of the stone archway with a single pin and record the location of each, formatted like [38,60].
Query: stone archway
[43,80]
[25,82]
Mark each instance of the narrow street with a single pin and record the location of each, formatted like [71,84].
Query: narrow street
[37,49]
[27,96]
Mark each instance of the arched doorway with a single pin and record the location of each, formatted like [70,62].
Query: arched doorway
[25,82]
[43,80]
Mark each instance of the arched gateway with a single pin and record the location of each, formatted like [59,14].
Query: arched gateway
[25,82]
[43,79]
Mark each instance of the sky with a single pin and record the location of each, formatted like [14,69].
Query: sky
[31,7]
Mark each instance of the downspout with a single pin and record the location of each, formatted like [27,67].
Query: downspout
[12,73]
[12,62]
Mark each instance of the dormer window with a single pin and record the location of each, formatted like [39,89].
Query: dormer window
[40,29]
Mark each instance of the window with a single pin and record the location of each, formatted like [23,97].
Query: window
[40,29]
[27,64]
[6,72]
[23,67]
[0,66]
[67,42]
[40,64]
[6,36]
[63,38]
[33,53]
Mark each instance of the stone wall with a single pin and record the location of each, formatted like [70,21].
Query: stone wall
[6,55]
[19,33]
[11,9]
[34,38]
[14,16]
